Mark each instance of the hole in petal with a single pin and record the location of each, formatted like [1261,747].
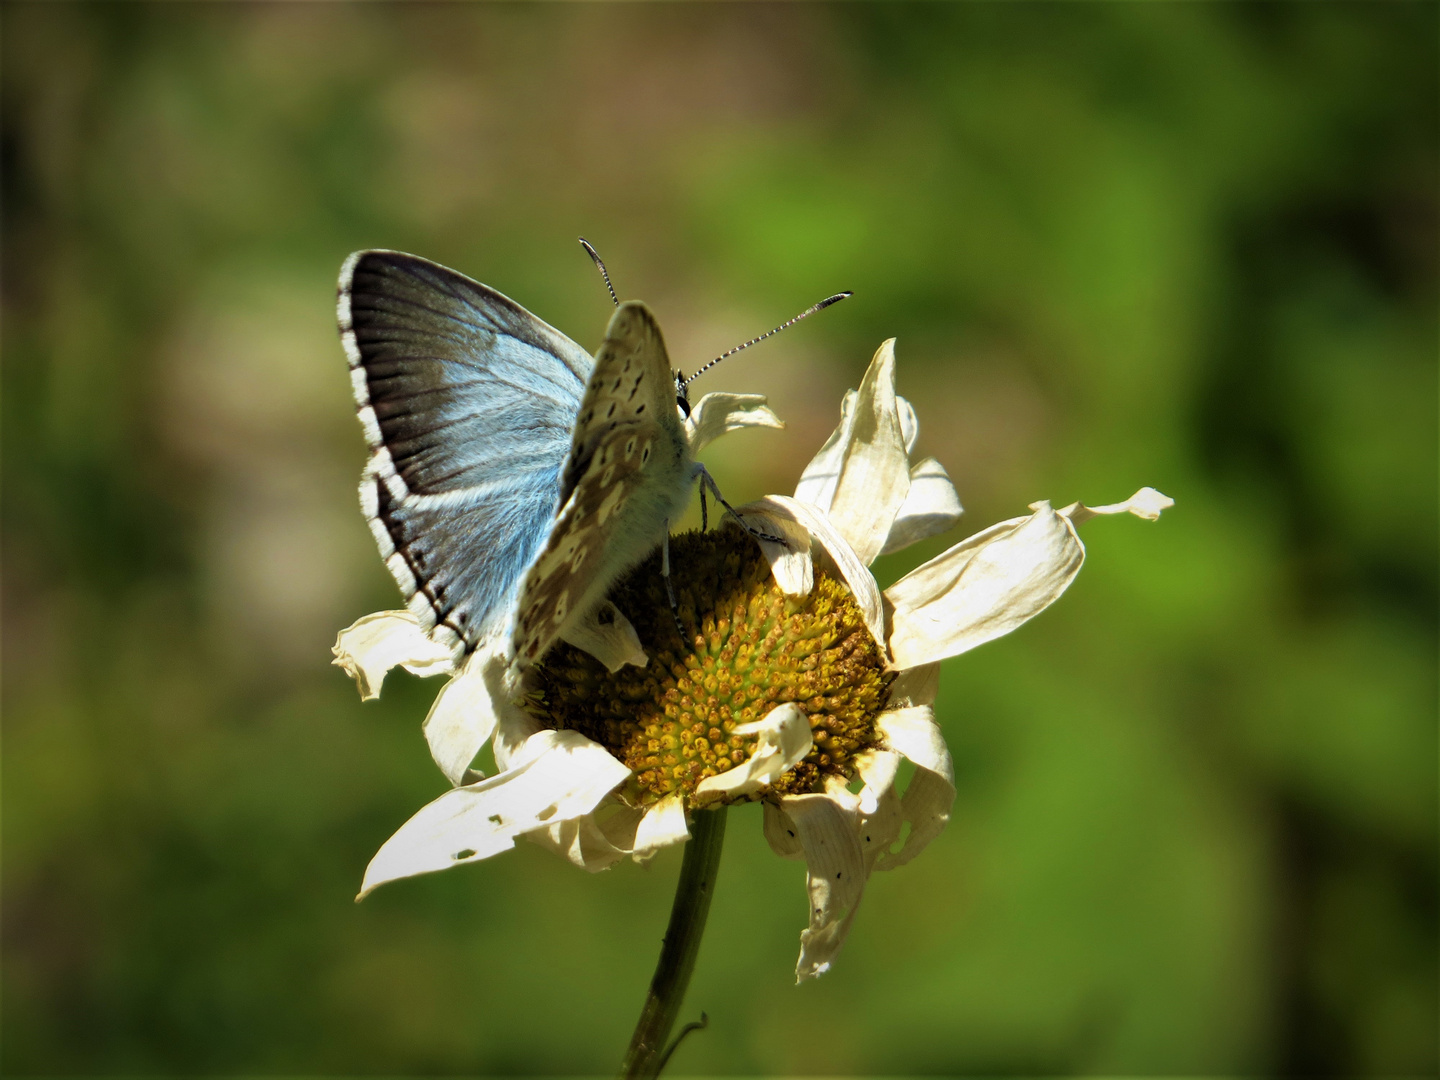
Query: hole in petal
[497,819]
[546,814]
[463,853]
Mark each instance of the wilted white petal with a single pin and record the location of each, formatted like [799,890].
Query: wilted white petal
[606,634]
[862,585]
[789,562]
[662,825]
[931,792]
[582,841]
[780,833]
[881,815]
[875,471]
[464,713]
[835,874]
[784,740]
[817,482]
[916,686]
[370,646]
[913,732]
[909,423]
[1146,503]
[931,507]
[556,776]
[982,587]
[717,414]
[988,585]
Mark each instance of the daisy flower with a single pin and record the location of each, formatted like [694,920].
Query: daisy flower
[798,682]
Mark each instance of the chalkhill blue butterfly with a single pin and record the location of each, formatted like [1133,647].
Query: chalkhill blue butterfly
[509,473]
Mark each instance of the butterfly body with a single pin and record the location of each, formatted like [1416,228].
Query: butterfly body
[510,475]
[629,474]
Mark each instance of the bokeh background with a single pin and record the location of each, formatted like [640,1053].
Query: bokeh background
[1192,246]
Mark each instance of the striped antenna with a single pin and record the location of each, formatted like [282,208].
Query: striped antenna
[811,310]
[603,272]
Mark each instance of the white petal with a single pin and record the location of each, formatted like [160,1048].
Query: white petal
[874,472]
[909,423]
[916,686]
[464,714]
[881,815]
[514,726]
[790,563]
[369,647]
[1145,503]
[931,792]
[780,832]
[784,741]
[931,507]
[662,825]
[606,634]
[580,841]
[558,776]
[817,482]
[914,733]
[835,875]
[982,587]
[717,414]
[846,562]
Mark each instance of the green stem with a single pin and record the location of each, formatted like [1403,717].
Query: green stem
[646,1055]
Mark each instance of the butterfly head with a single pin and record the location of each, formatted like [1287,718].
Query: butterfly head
[682,395]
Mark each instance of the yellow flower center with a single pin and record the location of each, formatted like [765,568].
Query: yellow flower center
[748,648]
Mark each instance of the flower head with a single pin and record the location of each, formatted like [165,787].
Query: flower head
[796,681]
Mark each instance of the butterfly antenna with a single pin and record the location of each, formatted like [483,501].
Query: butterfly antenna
[821,306]
[603,272]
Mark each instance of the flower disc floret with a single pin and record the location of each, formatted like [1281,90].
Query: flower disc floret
[748,648]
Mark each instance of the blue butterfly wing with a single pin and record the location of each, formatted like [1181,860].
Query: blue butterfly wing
[468,403]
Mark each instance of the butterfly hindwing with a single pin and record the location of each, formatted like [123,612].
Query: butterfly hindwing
[468,403]
[627,476]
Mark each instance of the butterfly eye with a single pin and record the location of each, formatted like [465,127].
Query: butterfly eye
[684,404]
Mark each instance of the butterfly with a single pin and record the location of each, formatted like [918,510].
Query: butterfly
[509,473]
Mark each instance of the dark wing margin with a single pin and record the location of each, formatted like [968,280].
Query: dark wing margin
[467,402]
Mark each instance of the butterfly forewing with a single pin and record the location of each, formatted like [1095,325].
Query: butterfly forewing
[468,403]
[627,476]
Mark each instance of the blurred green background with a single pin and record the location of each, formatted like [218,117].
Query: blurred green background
[1192,246]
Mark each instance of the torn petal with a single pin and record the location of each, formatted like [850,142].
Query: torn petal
[874,475]
[557,776]
[983,587]
[1147,503]
[369,647]
[784,741]
[926,806]
[931,792]
[606,634]
[464,713]
[835,876]
[718,414]
[931,507]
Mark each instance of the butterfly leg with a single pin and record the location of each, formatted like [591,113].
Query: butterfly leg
[669,588]
[706,480]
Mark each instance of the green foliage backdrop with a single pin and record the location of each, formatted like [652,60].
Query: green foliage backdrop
[1185,245]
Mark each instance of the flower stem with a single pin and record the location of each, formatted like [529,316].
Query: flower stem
[647,1055]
